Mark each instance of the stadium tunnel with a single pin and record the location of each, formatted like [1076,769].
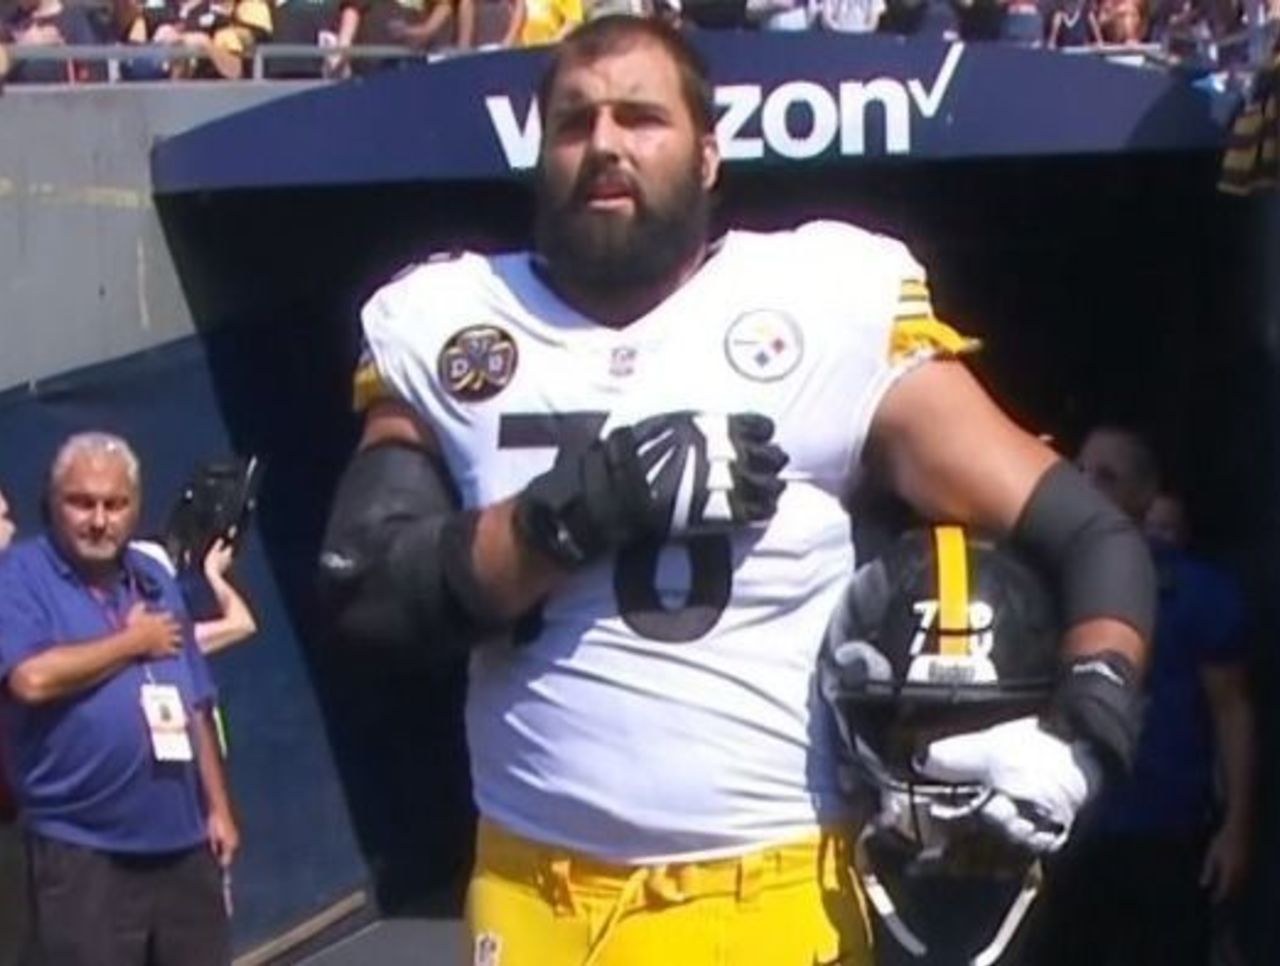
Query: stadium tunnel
[1067,211]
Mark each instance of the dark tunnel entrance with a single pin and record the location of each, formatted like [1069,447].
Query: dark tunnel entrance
[1119,288]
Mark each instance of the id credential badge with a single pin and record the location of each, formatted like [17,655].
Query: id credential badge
[167,722]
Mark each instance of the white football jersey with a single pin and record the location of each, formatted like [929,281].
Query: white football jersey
[663,707]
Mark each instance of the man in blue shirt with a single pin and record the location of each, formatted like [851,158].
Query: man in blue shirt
[105,715]
[1137,885]
[13,903]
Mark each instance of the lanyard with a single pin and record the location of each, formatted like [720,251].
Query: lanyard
[115,621]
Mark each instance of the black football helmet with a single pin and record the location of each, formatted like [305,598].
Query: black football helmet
[945,633]
[217,502]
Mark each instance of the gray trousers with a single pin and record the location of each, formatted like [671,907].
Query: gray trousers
[13,895]
[91,908]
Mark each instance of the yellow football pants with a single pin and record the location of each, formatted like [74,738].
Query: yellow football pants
[536,905]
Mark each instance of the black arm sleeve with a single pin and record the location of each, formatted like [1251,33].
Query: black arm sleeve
[1100,560]
[1103,569]
[395,567]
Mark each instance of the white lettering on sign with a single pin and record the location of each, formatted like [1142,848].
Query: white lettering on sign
[798,119]
[519,140]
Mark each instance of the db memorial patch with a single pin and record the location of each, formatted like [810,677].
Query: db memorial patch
[478,362]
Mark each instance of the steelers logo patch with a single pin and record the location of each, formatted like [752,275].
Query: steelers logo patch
[478,362]
[764,345]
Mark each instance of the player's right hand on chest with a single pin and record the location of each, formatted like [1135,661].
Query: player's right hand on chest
[667,476]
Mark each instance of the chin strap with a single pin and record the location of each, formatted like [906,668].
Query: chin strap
[884,906]
[880,899]
[1031,883]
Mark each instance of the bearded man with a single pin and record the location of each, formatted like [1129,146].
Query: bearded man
[611,469]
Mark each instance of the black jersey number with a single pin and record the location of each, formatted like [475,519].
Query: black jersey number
[635,573]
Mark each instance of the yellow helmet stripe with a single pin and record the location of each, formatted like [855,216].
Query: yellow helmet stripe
[953,591]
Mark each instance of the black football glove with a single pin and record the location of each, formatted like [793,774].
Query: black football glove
[667,476]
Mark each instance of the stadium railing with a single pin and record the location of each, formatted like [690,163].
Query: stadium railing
[1245,50]
[114,55]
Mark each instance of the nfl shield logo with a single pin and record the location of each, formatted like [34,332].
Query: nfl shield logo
[488,950]
[622,361]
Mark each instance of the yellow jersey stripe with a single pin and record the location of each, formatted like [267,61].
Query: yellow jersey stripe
[912,335]
[909,317]
[914,303]
[368,387]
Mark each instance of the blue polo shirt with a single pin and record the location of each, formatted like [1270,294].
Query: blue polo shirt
[83,765]
[1200,623]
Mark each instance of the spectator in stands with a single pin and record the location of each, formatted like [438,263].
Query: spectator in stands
[1022,23]
[224,34]
[108,733]
[1123,22]
[595,9]
[1168,18]
[434,29]
[1225,16]
[546,21]
[306,22]
[1137,882]
[134,22]
[98,13]
[786,15]
[5,38]
[489,24]
[687,14]
[1075,24]
[370,23]
[1194,29]
[937,19]
[50,23]
[850,16]
[1002,20]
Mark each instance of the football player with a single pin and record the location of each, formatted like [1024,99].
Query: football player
[611,469]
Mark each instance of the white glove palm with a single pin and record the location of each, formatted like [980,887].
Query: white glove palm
[1039,782]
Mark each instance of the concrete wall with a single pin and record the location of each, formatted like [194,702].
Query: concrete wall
[85,274]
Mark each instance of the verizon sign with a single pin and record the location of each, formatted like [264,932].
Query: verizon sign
[793,120]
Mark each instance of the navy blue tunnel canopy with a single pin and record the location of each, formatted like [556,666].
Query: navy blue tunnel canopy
[812,97]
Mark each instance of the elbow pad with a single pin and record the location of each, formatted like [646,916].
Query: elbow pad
[395,567]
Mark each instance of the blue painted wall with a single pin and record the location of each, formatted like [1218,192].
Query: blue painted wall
[300,852]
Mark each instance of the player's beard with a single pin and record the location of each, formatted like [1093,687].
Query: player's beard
[606,254]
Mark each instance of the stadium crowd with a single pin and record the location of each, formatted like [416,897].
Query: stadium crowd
[219,36]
